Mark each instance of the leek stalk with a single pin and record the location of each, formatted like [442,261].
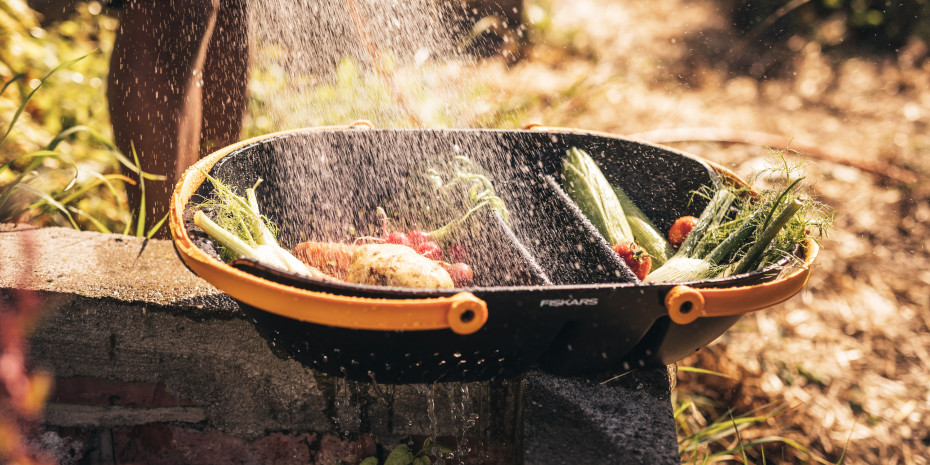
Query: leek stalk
[644,231]
[594,195]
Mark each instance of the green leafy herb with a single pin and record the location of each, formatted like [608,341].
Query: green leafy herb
[401,455]
[451,194]
[739,232]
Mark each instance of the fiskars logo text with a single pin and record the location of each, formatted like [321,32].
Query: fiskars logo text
[567,302]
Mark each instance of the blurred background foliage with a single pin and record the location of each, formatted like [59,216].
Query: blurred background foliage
[870,24]
[767,31]
[71,98]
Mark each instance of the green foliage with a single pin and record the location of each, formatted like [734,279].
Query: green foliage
[55,167]
[400,97]
[875,24]
[70,97]
[403,455]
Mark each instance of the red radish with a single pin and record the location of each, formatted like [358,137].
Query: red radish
[680,229]
[430,250]
[458,252]
[461,274]
[418,237]
[635,257]
[397,237]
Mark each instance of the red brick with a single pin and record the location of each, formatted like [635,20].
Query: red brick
[98,391]
[160,444]
[284,448]
[333,449]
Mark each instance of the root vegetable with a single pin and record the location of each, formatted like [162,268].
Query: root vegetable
[333,258]
[396,265]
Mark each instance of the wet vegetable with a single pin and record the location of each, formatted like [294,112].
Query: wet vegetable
[738,232]
[332,258]
[241,230]
[680,229]
[396,265]
[635,257]
[625,227]
[644,231]
[590,190]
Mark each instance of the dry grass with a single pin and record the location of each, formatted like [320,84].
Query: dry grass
[849,357]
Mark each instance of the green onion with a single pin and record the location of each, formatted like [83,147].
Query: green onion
[734,240]
[711,217]
[683,266]
[680,269]
[753,257]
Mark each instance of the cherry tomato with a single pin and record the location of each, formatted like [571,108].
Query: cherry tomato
[397,237]
[418,237]
[680,229]
[430,250]
[635,257]
[461,274]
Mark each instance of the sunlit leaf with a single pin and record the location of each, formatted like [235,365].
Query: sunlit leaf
[49,200]
[100,226]
[151,232]
[22,106]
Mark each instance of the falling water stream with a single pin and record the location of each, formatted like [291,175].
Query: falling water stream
[395,63]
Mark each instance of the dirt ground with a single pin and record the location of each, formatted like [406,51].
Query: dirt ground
[850,356]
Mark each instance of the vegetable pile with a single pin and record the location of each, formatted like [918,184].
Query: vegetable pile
[737,232]
[453,188]
[449,201]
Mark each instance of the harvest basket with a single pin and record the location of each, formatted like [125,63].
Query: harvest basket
[548,290]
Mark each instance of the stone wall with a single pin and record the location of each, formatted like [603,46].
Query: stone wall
[154,365]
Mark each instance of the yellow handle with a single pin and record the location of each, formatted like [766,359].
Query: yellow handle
[686,304]
[463,313]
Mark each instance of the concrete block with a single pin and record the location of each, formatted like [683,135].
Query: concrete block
[622,421]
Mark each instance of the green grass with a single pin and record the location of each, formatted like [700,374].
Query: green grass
[58,166]
[710,433]
[39,191]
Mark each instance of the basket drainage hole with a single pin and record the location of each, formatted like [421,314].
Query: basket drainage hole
[686,307]
[467,316]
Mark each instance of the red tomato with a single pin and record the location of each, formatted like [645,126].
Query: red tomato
[417,237]
[397,237]
[461,274]
[680,230]
[635,257]
[430,250]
